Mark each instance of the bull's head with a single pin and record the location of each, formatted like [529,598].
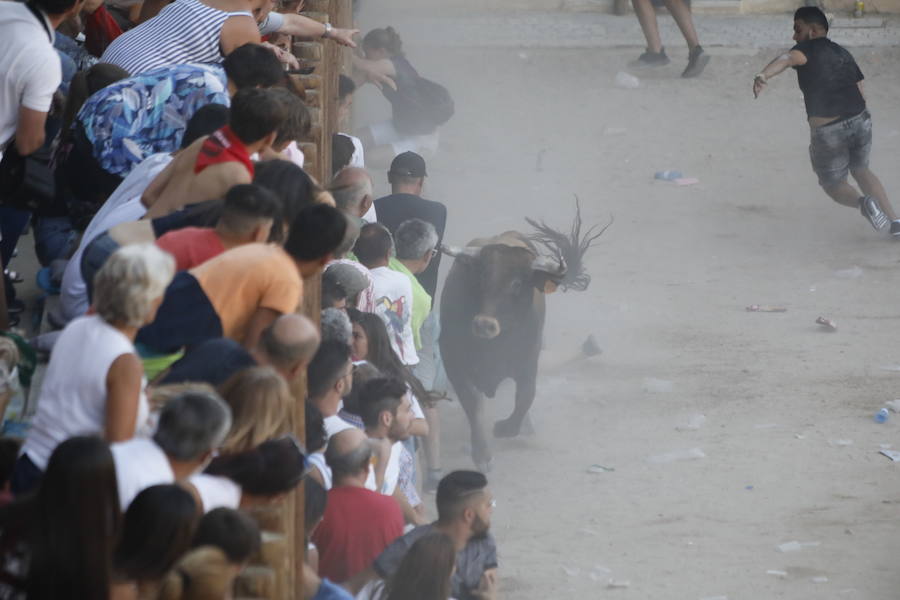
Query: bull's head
[507,278]
[569,247]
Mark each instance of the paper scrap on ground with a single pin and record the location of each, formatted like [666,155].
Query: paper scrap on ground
[892,454]
[676,456]
[796,546]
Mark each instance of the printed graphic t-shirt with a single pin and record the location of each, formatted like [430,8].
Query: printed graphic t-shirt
[393,303]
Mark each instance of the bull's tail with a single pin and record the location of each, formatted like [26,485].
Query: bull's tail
[570,248]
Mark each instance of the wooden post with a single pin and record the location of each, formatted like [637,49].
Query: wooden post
[277,574]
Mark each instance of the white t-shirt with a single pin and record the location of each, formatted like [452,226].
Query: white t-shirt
[216,492]
[123,206]
[140,463]
[334,424]
[393,303]
[294,154]
[358,159]
[30,70]
[317,460]
[391,473]
[73,394]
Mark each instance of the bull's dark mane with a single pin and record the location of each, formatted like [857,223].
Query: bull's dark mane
[570,248]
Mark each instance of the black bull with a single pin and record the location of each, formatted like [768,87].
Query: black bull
[492,320]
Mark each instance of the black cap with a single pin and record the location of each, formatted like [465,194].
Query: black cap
[408,164]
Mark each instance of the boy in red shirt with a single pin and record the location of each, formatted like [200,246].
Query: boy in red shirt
[247,216]
[211,166]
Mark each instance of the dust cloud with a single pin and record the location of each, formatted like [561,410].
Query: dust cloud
[788,449]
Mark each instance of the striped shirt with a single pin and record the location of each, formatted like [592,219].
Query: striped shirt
[185,31]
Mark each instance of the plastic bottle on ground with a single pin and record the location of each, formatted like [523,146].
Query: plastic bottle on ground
[882,415]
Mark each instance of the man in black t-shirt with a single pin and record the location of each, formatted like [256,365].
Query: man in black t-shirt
[840,125]
[407,178]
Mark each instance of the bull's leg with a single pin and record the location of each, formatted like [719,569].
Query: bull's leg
[472,402]
[525,391]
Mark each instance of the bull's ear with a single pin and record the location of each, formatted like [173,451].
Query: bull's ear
[548,273]
[466,255]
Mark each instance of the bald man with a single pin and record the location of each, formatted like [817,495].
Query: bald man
[287,345]
[358,523]
[353,192]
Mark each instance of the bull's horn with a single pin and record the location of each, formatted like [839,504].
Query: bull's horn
[556,267]
[456,251]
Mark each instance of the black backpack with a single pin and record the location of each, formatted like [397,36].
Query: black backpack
[422,108]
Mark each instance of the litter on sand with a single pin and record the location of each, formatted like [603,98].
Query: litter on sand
[796,546]
[766,309]
[853,272]
[676,456]
[627,80]
[827,324]
[775,573]
[595,468]
[891,454]
[694,422]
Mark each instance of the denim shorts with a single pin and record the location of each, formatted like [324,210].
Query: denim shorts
[837,148]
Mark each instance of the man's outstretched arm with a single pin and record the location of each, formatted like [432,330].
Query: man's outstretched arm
[793,58]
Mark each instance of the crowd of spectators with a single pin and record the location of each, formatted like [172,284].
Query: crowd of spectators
[155,148]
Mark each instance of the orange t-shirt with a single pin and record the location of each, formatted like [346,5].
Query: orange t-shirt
[243,279]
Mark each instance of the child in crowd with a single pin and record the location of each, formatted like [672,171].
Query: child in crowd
[209,167]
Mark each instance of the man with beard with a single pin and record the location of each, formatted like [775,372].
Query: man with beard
[464,505]
[840,125]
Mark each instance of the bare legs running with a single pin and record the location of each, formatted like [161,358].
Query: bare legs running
[655,55]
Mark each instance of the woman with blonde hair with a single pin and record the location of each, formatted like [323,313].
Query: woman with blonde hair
[202,574]
[260,403]
[95,381]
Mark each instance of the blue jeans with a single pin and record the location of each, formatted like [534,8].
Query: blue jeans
[95,255]
[54,238]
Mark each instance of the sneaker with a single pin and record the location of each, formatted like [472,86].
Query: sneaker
[697,61]
[651,59]
[895,228]
[869,208]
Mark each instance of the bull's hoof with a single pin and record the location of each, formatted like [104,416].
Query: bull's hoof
[506,428]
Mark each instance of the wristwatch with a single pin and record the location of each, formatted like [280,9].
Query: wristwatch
[328,29]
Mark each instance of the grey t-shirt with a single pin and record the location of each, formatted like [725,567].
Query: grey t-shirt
[472,561]
[273,23]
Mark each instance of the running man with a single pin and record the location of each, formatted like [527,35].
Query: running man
[840,126]
[655,56]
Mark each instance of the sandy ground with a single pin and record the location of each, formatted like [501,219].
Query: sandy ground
[791,449]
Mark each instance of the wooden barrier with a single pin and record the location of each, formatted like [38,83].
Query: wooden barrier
[276,574]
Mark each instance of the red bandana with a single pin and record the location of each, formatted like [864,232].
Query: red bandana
[222,146]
